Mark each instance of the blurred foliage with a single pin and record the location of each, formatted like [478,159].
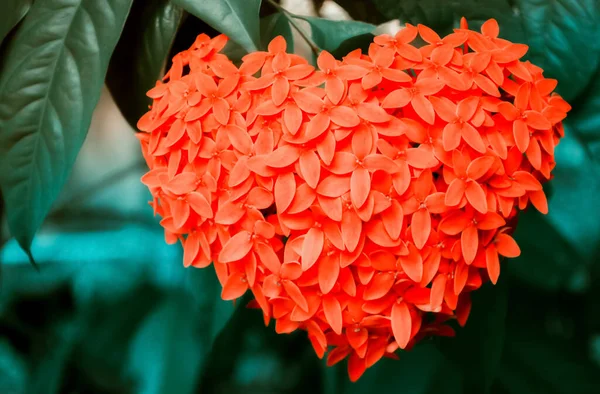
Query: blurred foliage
[112,311]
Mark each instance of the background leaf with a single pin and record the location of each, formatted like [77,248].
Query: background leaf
[329,34]
[160,354]
[477,347]
[141,54]
[276,25]
[238,19]
[14,11]
[49,87]
[561,32]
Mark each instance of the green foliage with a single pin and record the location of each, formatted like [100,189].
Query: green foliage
[329,35]
[14,12]
[276,25]
[140,56]
[477,348]
[49,87]
[238,19]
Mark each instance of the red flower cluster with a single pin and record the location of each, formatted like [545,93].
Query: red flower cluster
[355,198]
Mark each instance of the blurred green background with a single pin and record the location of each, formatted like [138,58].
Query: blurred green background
[112,310]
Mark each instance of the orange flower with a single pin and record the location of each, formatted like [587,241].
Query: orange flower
[363,201]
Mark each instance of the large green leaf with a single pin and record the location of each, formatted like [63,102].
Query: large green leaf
[477,348]
[414,373]
[238,19]
[364,11]
[139,58]
[329,34]
[166,353]
[213,313]
[546,349]
[173,344]
[49,87]
[561,33]
[13,12]
[276,25]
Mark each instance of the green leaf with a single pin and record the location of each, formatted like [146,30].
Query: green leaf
[439,16]
[559,33]
[140,56]
[547,260]
[329,35]
[214,313]
[238,19]
[49,87]
[546,349]
[477,348]
[13,369]
[174,343]
[413,373]
[166,353]
[276,25]
[12,13]
[362,10]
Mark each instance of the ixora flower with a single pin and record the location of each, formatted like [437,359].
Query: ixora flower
[362,201]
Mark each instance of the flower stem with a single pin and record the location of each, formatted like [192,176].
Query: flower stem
[290,17]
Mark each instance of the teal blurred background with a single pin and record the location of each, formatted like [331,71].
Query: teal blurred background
[113,311]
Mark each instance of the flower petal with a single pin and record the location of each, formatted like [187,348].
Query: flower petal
[284,191]
[420,227]
[392,219]
[235,287]
[507,246]
[312,247]
[310,168]
[401,324]
[236,248]
[200,205]
[333,313]
[360,185]
[412,264]
[476,196]
[329,271]
[469,242]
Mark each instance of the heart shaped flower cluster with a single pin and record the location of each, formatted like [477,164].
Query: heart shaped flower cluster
[355,199]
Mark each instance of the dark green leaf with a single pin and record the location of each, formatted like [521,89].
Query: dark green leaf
[213,312]
[559,33]
[49,87]
[47,375]
[477,348]
[547,260]
[167,351]
[13,11]
[438,16]
[13,370]
[238,19]
[140,56]
[329,35]
[546,349]
[276,25]
[172,346]
[362,10]
[414,373]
